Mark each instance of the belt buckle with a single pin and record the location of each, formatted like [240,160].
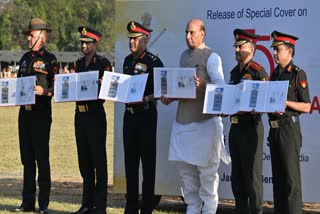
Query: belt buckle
[130,109]
[295,119]
[234,120]
[82,108]
[274,124]
[146,106]
[28,107]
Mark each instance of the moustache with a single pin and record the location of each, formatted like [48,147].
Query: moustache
[241,54]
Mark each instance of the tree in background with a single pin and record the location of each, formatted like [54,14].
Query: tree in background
[63,16]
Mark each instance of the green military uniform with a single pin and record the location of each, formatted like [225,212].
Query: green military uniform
[285,137]
[140,130]
[246,148]
[246,140]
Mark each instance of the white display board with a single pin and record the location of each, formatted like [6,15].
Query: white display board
[168,19]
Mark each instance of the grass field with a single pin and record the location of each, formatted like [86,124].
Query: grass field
[66,181]
[66,186]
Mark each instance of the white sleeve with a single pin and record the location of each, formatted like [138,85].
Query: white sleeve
[214,69]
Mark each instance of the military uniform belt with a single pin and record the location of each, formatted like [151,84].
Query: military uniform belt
[88,107]
[140,107]
[36,107]
[285,120]
[236,119]
[28,107]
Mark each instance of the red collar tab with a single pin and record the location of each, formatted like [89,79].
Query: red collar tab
[142,55]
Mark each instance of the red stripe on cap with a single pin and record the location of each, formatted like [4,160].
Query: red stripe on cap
[140,30]
[91,35]
[285,39]
[241,36]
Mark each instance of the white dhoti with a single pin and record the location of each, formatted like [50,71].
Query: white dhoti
[198,147]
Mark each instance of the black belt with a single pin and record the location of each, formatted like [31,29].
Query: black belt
[275,122]
[140,107]
[236,119]
[88,107]
[27,107]
[35,107]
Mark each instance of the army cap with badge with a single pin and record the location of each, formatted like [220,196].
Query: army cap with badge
[243,36]
[282,38]
[88,34]
[36,24]
[135,29]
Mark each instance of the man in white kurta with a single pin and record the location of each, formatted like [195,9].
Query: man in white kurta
[197,139]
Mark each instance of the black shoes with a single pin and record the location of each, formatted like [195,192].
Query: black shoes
[43,210]
[99,211]
[83,210]
[24,208]
[86,210]
[131,210]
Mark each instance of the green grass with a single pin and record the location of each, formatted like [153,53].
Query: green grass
[66,181]
[63,153]
[66,188]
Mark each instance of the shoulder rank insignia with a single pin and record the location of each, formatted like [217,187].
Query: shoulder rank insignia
[153,57]
[297,68]
[256,66]
[303,83]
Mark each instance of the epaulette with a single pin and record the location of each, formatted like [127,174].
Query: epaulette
[296,68]
[256,66]
[152,56]
[99,57]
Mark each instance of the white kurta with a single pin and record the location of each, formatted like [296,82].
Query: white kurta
[198,147]
[200,143]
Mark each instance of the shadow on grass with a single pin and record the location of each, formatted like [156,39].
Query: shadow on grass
[70,192]
[10,208]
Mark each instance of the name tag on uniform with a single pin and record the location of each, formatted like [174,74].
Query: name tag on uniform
[234,120]
[274,123]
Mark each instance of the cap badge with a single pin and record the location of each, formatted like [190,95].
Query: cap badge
[132,26]
[84,31]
